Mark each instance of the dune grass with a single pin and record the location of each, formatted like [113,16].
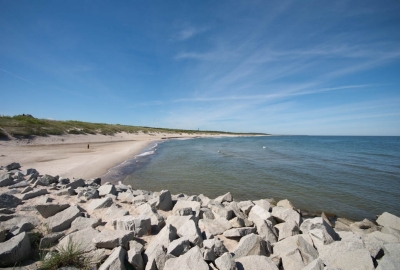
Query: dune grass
[27,125]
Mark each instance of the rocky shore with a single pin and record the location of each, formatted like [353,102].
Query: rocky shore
[121,227]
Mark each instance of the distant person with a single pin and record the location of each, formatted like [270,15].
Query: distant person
[87,146]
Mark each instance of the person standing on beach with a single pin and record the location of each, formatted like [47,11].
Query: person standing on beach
[87,146]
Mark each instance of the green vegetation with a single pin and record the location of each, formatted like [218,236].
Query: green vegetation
[27,125]
[71,255]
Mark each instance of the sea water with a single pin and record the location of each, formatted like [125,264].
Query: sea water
[353,177]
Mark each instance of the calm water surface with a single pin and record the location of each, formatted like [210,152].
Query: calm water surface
[354,177]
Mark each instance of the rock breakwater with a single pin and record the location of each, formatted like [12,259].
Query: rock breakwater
[120,227]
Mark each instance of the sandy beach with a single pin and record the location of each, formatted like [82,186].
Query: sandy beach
[69,156]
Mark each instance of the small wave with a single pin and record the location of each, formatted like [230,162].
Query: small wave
[148,153]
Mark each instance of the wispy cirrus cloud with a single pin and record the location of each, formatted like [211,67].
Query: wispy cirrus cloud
[189,32]
[18,77]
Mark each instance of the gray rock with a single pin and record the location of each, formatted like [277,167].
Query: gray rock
[257,214]
[15,250]
[185,212]
[283,214]
[13,166]
[22,227]
[107,189]
[19,185]
[190,231]
[220,211]
[19,220]
[388,263]
[157,221]
[216,246]
[287,229]
[110,239]
[66,192]
[343,224]
[82,239]
[264,204]
[9,201]
[365,226]
[50,209]
[91,193]
[178,221]
[63,181]
[27,189]
[179,246]
[138,200]
[164,201]
[251,244]
[236,210]
[6,211]
[125,197]
[205,213]
[299,257]
[292,243]
[135,255]
[285,203]
[115,261]
[292,260]
[319,230]
[3,234]
[50,240]
[237,222]
[99,203]
[255,262]
[239,232]
[389,220]
[6,180]
[316,264]
[204,200]
[245,206]
[34,193]
[114,212]
[191,260]
[140,225]
[213,227]
[81,223]
[5,217]
[185,204]
[391,231]
[226,262]
[156,260]
[163,239]
[46,180]
[76,183]
[267,231]
[62,220]
[346,255]
[224,198]
[208,255]
[93,182]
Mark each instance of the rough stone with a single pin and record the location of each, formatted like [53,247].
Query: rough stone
[22,227]
[137,200]
[6,180]
[283,214]
[62,220]
[190,231]
[156,259]
[81,223]
[390,220]
[19,185]
[110,239]
[239,232]
[251,244]
[50,240]
[191,260]
[164,201]
[319,230]
[9,201]
[204,200]
[226,262]
[213,227]
[115,261]
[46,180]
[135,257]
[224,198]
[236,210]
[179,246]
[15,250]
[245,206]
[365,226]
[185,204]
[291,243]
[157,221]
[263,203]
[107,189]
[163,239]
[140,225]
[48,210]
[13,166]
[257,214]
[34,193]
[82,239]
[287,229]
[75,184]
[343,224]
[216,246]
[285,203]
[27,189]
[66,192]
[267,231]
[237,222]
[125,196]
[99,203]
[316,264]
[113,212]
[178,221]
[255,262]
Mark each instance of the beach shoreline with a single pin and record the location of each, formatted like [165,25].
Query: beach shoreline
[82,156]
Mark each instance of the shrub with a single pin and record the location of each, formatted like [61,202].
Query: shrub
[70,255]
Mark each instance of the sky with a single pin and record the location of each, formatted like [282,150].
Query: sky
[279,67]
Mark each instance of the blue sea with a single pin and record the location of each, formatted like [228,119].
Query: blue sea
[353,177]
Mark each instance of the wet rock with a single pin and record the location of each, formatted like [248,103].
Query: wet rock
[48,210]
[15,250]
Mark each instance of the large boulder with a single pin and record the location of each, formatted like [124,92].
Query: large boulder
[251,244]
[239,232]
[283,214]
[135,255]
[157,221]
[178,221]
[224,198]
[389,220]
[82,239]
[6,180]
[215,246]
[110,239]
[191,260]
[164,201]
[213,227]
[107,189]
[99,203]
[62,220]
[81,223]
[299,257]
[287,229]
[50,209]
[185,204]
[179,246]
[190,231]
[292,243]
[15,250]
[226,262]
[320,231]
[47,180]
[140,225]
[163,239]
[255,262]
[34,193]
[13,166]
[76,183]
[285,203]
[9,201]
[219,211]
[267,230]
[264,204]
[116,260]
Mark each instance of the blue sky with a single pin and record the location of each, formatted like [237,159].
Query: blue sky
[280,67]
